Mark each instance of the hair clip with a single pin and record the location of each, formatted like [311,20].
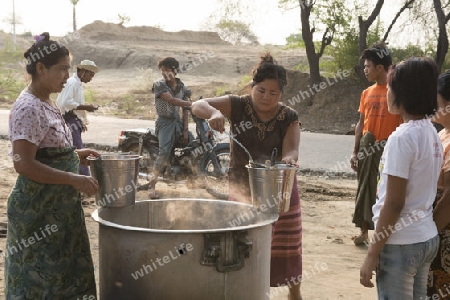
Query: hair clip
[38,38]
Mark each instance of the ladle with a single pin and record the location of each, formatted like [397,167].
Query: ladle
[273,157]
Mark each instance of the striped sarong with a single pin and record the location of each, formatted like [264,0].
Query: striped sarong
[286,254]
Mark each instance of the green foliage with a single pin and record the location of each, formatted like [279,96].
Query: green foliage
[236,32]
[128,105]
[90,96]
[344,51]
[10,86]
[11,83]
[10,53]
[223,90]
[334,15]
[374,34]
[399,54]
[219,91]
[244,81]
[295,40]
[303,66]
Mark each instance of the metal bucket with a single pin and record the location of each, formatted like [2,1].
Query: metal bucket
[117,178]
[271,187]
[184,249]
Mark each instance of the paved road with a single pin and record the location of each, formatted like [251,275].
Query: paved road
[317,151]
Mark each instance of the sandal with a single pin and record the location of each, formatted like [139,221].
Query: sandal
[360,240]
[152,194]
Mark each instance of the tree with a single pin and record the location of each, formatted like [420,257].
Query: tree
[232,20]
[123,19]
[74,14]
[442,44]
[236,32]
[407,5]
[332,16]
[364,26]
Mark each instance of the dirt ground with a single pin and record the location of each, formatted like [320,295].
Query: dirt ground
[330,260]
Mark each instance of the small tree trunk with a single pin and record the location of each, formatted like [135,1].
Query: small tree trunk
[74,19]
[307,34]
[363,30]
[362,45]
[443,44]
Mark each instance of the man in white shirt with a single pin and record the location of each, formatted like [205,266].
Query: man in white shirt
[72,105]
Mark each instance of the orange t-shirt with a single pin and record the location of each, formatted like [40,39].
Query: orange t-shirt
[445,139]
[377,119]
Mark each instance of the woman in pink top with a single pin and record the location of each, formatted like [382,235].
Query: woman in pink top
[47,248]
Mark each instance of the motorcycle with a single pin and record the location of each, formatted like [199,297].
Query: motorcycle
[204,160]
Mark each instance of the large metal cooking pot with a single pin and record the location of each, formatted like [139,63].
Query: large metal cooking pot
[184,249]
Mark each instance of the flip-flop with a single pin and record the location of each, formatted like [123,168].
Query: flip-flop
[359,240]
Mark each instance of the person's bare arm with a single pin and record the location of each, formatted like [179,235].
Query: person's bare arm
[25,164]
[215,110]
[166,96]
[358,135]
[389,215]
[441,213]
[87,107]
[291,142]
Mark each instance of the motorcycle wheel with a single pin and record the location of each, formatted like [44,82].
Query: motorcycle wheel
[217,185]
[149,155]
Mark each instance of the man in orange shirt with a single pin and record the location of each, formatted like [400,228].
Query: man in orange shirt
[374,127]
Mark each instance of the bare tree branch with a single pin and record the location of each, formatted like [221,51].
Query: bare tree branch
[374,14]
[407,5]
[327,38]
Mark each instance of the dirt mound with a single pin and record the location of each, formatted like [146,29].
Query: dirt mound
[113,46]
[109,32]
[330,107]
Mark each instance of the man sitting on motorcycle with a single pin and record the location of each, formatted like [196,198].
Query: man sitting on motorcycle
[170,95]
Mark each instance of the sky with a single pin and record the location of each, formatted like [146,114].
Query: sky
[270,24]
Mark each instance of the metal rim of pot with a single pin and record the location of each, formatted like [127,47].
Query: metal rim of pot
[269,220]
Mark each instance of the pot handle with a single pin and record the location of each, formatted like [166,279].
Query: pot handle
[227,250]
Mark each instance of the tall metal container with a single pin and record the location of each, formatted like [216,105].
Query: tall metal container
[271,187]
[184,249]
[117,178]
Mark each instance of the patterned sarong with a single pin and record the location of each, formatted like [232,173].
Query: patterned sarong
[47,253]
